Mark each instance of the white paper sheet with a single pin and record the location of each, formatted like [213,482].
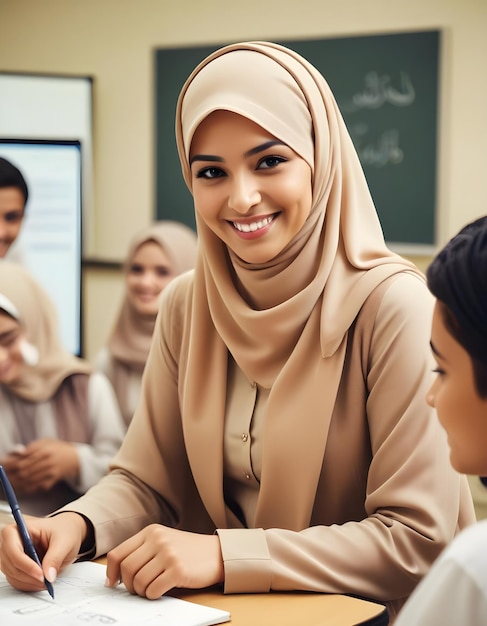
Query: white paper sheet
[81,598]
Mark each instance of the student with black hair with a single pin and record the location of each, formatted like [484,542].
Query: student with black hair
[14,194]
[455,590]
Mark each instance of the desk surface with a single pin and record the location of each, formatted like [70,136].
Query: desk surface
[290,609]
[282,609]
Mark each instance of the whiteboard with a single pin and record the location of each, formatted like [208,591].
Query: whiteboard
[54,107]
[44,106]
[49,243]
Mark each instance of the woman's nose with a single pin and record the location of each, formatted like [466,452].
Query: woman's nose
[147,279]
[244,193]
[431,395]
[3,229]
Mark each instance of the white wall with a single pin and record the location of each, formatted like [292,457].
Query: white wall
[114,40]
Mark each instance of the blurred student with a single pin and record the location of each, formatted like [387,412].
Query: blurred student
[455,590]
[156,255]
[14,194]
[60,424]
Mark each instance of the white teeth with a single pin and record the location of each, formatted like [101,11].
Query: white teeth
[252,226]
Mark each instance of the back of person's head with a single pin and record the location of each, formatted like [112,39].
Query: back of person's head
[457,277]
[11,176]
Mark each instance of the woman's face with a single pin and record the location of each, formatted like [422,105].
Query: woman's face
[148,274]
[461,411]
[11,360]
[251,190]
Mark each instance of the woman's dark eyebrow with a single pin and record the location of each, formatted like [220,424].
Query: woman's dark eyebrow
[434,350]
[264,146]
[205,157]
[252,151]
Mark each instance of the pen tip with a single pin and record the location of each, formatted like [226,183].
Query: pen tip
[50,588]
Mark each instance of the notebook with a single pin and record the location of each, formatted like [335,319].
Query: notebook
[81,597]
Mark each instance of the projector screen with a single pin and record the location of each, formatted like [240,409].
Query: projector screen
[50,241]
[57,110]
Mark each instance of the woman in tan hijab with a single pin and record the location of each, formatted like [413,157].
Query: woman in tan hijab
[59,423]
[156,255]
[282,441]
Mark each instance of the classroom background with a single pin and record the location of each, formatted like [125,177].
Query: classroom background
[114,41]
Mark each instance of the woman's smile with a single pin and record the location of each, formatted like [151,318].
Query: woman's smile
[255,227]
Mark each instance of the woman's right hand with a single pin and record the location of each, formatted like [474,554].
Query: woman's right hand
[57,541]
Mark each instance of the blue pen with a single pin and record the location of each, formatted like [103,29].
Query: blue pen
[23,532]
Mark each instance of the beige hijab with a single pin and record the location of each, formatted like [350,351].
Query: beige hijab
[289,333]
[38,317]
[131,336]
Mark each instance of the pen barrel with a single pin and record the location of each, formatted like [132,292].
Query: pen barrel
[24,535]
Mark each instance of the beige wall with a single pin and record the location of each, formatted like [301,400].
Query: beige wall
[114,40]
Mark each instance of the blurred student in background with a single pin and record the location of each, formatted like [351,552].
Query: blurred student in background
[455,590]
[13,199]
[60,423]
[156,255]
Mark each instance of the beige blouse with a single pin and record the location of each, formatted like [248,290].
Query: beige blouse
[242,452]
[387,501]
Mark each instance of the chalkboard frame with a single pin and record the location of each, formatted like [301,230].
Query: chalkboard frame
[386,86]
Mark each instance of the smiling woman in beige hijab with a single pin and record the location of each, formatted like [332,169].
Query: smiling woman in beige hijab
[283,398]
[156,255]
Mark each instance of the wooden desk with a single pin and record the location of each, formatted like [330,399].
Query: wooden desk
[288,609]
[291,609]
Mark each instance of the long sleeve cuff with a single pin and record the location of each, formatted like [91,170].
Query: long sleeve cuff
[246,560]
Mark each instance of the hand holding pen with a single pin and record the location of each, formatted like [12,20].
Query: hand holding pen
[21,525]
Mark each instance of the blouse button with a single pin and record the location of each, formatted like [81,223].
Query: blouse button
[244,437]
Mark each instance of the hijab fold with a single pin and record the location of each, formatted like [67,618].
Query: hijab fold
[58,376]
[38,317]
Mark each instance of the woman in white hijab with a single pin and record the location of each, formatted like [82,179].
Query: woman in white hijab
[282,440]
[60,424]
[156,255]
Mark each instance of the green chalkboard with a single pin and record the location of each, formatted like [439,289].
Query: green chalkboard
[387,89]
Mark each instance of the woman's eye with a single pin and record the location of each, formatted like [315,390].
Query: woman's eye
[8,340]
[439,371]
[210,172]
[162,272]
[13,217]
[270,162]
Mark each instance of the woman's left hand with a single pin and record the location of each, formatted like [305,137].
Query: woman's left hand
[159,558]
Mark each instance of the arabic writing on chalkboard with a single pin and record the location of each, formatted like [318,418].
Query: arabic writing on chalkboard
[379,90]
